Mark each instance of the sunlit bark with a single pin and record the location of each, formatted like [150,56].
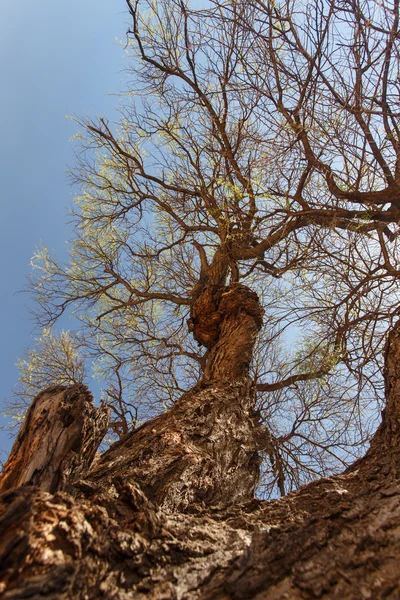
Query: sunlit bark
[334,538]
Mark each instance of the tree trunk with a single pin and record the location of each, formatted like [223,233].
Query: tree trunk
[203,451]
[167,512]
[57,441]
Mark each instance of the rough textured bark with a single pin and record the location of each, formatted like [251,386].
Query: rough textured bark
[57,441]
[122,534]
[226,320]
[204,450]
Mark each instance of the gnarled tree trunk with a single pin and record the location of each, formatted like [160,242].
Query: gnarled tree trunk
[57,441]
[203,451]
[168,513]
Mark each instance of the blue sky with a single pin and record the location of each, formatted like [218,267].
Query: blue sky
[56,59]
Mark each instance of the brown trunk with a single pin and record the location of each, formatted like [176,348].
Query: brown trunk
[227,320]
[204,450]
[334,538]
[57,441]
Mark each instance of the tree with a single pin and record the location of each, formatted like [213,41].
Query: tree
[252,184]
[185,185]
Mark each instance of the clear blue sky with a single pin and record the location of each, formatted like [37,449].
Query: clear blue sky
[56,59]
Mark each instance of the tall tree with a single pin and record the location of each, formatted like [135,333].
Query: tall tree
[251,184]
[226,167]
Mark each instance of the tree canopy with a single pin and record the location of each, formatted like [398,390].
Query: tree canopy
[258,144]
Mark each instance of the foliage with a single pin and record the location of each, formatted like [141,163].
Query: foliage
[55,359]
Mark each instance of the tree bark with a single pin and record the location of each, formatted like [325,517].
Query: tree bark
[57,441]
[203,451]
[122,534]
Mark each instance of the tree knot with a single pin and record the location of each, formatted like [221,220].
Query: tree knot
[215,304]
